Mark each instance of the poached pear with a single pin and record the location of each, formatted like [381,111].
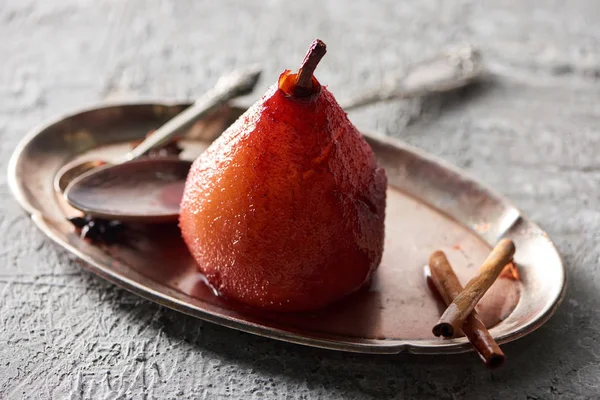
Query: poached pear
[285,210]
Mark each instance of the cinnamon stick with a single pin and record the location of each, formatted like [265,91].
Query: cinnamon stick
[448,286]
[463,304]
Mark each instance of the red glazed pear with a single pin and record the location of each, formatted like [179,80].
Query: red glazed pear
[285,211]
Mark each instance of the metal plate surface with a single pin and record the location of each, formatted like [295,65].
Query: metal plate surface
[431,205]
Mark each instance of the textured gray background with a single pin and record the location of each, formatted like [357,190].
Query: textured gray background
[532,131]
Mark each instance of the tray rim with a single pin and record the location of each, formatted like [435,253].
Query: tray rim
[416,346]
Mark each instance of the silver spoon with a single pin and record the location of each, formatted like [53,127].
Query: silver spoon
[234,84]
[452,69]
[149,190]
[87,184]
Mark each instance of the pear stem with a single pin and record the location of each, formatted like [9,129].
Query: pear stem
[305,74]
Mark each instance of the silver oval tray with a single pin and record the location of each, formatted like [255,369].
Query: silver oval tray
[431,205]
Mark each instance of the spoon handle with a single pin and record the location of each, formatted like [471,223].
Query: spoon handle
[450,70]
[237,83]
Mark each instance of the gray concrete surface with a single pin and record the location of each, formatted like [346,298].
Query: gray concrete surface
[532,131]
